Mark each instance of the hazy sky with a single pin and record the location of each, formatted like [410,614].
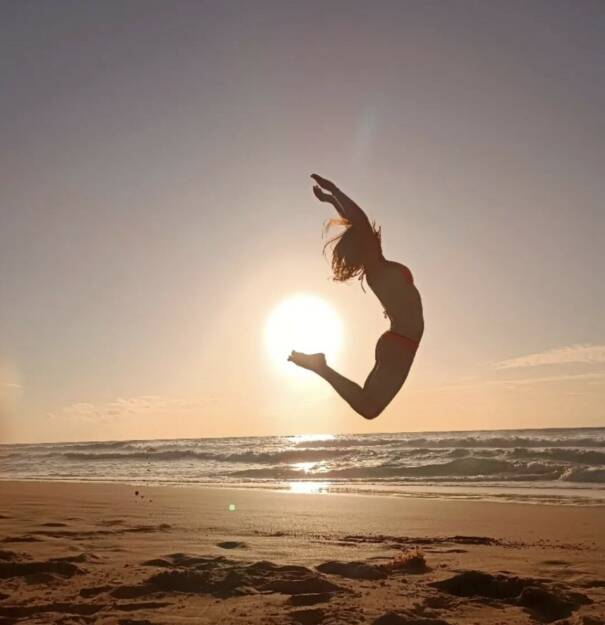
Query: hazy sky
[155,206]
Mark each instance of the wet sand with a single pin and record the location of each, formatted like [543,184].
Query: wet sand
[106,553]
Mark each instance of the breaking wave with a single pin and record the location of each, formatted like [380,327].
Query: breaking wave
[570,463]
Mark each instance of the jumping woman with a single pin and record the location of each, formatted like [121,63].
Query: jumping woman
[358,253]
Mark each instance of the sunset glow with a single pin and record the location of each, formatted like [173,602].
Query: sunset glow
[162,250]
[305,323]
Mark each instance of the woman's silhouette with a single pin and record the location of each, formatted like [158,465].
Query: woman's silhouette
[358,252]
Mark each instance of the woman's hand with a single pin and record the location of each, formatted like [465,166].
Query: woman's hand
[345,206]
[322,196]
[324,183]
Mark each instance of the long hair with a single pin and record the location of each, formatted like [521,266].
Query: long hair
[348,252]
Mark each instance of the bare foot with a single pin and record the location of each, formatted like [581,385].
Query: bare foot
[313,362]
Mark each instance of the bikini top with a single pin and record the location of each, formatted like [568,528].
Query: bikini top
[406,273]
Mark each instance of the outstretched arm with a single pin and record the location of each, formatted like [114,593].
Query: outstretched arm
[345,206]
[327,191]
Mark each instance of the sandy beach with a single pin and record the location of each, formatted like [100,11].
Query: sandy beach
[105,553]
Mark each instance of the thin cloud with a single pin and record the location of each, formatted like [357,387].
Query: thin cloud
[557,356]
[119,408]
[478,384]
[572,377]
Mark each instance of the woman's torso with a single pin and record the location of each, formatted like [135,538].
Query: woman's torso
[393,285]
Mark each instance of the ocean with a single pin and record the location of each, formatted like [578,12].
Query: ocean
[564,466]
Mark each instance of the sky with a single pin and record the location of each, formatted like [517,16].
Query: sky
[155,207]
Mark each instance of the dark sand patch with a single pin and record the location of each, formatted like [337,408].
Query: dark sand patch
[88,534]
[51,567]
[547,605]
[477,583]
[474,540]
[22,611]
[545,602]
[593,583]
[232,544]
[583,619]
[11,556]
[309,599]
[438,602]
[39,579]
[111,522]
[352,570]
[309,616]
[93,591]
[222,578]
[426,541]
[141,605]
[162,527]
[132,591]
[25,538]
[395,618]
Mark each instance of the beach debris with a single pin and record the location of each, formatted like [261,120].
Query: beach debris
[410,560]
[231,507]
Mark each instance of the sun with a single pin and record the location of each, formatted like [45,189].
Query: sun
[303,322]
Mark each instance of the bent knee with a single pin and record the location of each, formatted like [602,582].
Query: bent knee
[370,410]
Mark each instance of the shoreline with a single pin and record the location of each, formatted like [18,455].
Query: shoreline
[317,487]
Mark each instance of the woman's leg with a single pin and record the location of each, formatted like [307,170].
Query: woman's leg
[383,383]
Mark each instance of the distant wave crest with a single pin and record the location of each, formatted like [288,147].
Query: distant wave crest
[567,463]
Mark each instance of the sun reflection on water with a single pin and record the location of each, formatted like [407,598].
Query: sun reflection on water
[305,467]
[310,438]
[309,488]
